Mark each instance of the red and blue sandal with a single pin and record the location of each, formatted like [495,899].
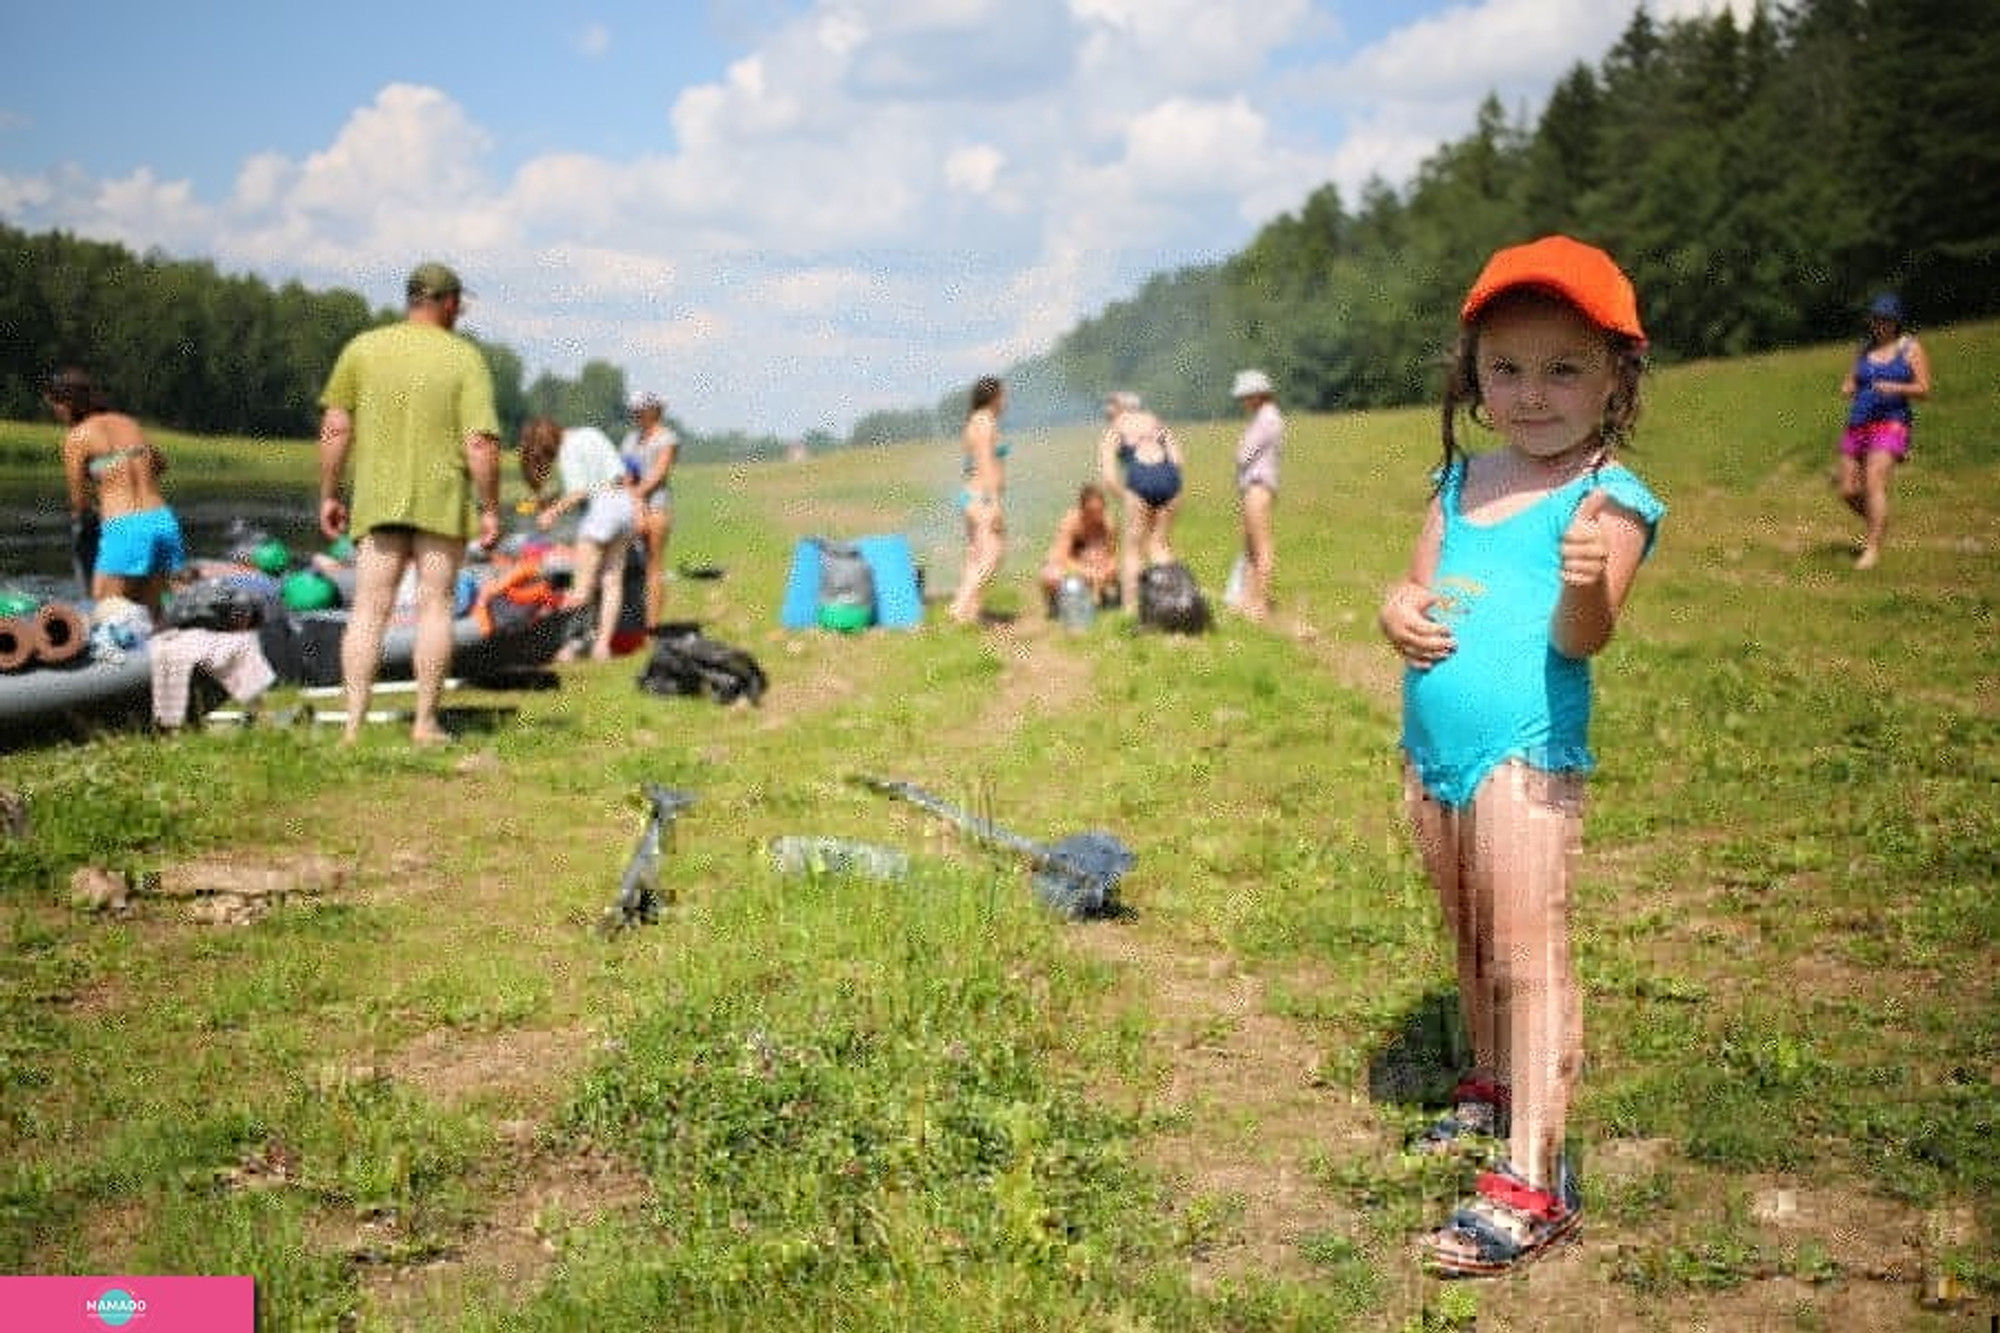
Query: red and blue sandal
[1476,1126]
[1505,1225]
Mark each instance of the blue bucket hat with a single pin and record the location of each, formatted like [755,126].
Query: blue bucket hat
[1886,306]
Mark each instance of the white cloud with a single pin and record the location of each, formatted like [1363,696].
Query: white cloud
[973,168]
[1184,45]
[814,291]
[1185,145]
[594,40]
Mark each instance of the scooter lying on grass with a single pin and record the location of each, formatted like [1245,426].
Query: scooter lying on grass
[1077,877]
[639,892]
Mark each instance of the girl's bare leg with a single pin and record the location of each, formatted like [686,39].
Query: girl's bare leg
[1443,844]
[1528,828]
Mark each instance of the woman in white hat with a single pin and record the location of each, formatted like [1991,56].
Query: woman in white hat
[1257,485]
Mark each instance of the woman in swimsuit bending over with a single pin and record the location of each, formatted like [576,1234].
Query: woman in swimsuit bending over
[1139,459]
[985,470]
[140,543]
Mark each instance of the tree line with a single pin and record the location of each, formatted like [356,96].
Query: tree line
[178,342]
[1758,179]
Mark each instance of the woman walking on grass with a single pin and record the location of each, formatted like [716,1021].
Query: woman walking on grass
[985,470]
[1521,569]
[1889,374]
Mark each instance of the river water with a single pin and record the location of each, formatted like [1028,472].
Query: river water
[34,528]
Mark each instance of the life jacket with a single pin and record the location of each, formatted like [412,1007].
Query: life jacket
[515,600]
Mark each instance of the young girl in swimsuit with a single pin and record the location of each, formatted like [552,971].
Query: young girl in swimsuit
[140,542]
[1139,459]
[1523,564]
[985,483]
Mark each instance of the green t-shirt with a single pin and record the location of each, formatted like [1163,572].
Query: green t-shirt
[415,391]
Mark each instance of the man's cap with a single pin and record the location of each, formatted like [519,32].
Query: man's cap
[645,399]
[1250,382]
[1581,274]
[431,280]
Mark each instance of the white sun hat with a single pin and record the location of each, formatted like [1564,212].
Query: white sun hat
[1250,382]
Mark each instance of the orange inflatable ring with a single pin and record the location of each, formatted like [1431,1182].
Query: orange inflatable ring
[17,642]
[61,633]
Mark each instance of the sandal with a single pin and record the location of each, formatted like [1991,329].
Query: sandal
[1476,1125]
[1507,1223]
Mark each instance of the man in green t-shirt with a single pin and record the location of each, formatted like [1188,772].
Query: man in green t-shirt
[409,412]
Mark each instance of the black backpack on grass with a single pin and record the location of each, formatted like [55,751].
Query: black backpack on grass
[686,662]
[1170,599]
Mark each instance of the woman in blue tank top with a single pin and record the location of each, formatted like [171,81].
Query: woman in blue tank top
[1890,372]
[1521,569]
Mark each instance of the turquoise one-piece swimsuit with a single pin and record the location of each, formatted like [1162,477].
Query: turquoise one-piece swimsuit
[1505,692]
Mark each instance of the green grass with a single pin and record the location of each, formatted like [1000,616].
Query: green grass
[834,1103]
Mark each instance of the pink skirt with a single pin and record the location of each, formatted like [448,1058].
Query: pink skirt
[1889,437]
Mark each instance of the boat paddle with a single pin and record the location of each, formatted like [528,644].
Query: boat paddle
[1077,876]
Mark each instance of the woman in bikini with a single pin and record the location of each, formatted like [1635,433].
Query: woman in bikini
[985,470]
[140,541]
[1139,459]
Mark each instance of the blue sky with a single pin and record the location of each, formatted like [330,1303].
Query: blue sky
[779,213]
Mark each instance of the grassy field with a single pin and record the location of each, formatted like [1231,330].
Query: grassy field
[435,1099]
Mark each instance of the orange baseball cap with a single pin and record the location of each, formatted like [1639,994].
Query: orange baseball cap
[1581,274]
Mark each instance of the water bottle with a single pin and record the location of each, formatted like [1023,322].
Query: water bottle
[805,855]
[1076,608]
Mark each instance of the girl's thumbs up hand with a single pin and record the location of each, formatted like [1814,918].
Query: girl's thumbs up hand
[1585,552]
